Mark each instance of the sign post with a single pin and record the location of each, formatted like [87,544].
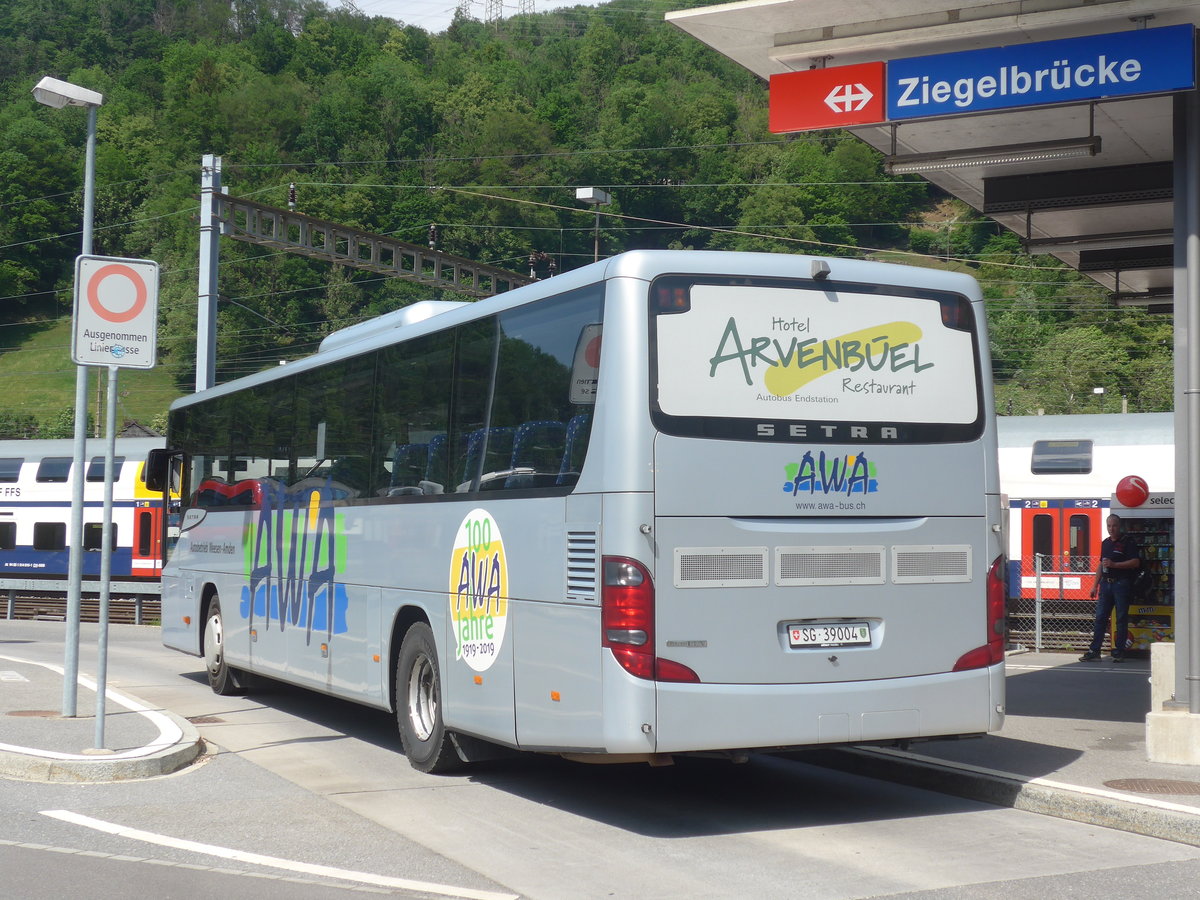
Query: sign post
[115,325]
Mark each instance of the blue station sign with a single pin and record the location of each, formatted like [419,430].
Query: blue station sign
[1145,61]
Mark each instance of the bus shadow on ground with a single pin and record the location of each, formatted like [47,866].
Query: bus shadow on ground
[699,797]
[694,797]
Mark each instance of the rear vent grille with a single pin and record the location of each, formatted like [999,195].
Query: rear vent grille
[581,565]
[706,567]
[828,565]
[931,564]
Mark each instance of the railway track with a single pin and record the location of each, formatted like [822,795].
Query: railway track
[46,606]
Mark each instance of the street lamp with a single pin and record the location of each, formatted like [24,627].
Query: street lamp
[57,94]
[596,198]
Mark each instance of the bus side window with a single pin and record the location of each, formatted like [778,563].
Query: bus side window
[412,413]
[536,394]
[578,431]
[537,454]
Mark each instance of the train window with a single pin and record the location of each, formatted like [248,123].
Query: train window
[10,470]
[93,535]
[8,535]
[95,471]
[145,530]
[50,535]
[54,469]
[1043,537]
[1061,457]
[1081,543]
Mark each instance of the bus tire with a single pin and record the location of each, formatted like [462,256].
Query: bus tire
[423,734]
[222,677]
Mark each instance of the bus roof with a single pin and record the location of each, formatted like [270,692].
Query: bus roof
[637,264]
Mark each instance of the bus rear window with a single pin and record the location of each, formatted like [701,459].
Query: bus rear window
[813,362]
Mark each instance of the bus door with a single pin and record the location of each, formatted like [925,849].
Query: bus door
[1066,534]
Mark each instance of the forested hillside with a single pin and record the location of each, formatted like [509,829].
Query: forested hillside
[485,131]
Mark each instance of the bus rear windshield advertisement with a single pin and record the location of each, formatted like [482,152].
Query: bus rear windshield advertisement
[782,361]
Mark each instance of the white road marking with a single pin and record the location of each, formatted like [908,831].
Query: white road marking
[241,873]
[275,862]
[169,733]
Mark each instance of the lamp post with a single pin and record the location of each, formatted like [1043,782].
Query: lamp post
[57,94]
[596,198]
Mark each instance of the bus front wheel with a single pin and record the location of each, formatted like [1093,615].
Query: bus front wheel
[222,677]
[423,735]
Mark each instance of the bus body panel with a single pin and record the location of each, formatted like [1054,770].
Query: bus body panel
[728,716]
[558,689]
[736,631]
[558,685]
[730,478]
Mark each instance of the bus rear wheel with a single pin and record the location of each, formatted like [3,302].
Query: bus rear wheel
[423,735]
[222,677]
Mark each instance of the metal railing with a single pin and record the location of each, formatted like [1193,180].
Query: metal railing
[129,599]
[1052,606]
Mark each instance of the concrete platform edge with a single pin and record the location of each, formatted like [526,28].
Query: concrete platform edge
[1146,817]
[33,767]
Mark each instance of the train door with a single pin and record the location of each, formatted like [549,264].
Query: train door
[1067,535]
[146,560]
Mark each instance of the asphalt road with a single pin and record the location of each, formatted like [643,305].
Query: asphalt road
[306,781]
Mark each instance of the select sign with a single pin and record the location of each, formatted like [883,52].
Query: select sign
[116,312]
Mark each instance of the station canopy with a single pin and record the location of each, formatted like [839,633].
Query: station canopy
[1108,212]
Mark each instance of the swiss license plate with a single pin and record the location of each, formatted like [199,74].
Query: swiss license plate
[829,634]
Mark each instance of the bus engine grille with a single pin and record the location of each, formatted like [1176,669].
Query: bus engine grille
[931,564]
[581,564]
[707,567]
[828,565]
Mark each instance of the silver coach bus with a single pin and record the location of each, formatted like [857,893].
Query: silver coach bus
[669,502]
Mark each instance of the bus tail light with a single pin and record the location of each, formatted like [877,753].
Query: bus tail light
[993,651]
[627,622]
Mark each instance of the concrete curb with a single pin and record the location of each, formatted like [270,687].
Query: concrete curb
[176,744]
[1109,809]
[146,762]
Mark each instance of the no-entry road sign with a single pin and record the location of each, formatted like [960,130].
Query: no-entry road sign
[116,312]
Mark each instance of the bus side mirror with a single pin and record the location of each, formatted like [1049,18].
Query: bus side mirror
[158,469]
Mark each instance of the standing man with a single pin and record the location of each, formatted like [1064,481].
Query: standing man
[1120,558]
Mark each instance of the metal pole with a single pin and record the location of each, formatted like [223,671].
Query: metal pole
[206,314]
[596,232]
[1037,602]
[75,536]
[106,549]
[1187,444]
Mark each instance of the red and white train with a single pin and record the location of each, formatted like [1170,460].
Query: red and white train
[1059,474]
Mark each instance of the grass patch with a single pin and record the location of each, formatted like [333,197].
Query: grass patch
[37,378]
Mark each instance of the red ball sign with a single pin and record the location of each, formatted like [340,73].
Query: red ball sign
[1132,490]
